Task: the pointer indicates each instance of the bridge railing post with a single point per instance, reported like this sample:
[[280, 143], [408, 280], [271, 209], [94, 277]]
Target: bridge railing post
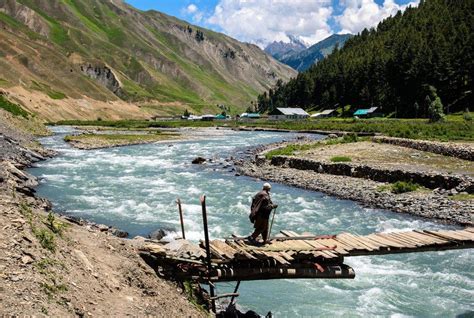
[[178, 202], [208, 252]]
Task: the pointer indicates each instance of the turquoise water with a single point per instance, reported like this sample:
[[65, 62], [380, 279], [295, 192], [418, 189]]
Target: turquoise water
[[134, 188]]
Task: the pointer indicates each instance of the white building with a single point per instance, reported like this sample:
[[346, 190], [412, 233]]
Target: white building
[[288, 113]]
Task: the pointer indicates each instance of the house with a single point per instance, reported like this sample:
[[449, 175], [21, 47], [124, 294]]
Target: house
[[288, 113], [208, 117], [371, 112], [325, 113], [250, 116]]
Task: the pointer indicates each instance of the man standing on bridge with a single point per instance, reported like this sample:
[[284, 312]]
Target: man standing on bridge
[[261, 208]]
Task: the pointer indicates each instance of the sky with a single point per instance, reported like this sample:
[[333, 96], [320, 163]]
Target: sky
[[264, 21]]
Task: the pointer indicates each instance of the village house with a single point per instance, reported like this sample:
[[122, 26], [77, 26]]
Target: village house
[[287, 113], [325, 113], [366, 113]]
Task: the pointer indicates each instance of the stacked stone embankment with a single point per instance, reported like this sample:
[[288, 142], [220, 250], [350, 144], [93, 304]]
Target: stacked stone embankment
[[429, 180], [457, 150]]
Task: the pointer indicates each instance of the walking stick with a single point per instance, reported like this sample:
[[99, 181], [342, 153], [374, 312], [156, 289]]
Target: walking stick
[[271, 225]]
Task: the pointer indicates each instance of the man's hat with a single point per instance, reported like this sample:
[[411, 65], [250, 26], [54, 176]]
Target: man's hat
[[267, 186]]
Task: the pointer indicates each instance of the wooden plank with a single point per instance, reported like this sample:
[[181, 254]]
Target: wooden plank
[[240, 251], [467, 235], [366, 245], [391, 243], [469, 229], [449, 236], [227, 251], [395, 238], [429, 239], [406, 239], [445, 240], [423, 240], [378, 241], [349, 242]]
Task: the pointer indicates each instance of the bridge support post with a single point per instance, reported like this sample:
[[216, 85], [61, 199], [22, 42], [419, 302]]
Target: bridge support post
[[208, 252], [178, 202]]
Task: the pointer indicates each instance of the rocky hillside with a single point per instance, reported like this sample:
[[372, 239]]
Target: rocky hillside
[[103, 58]]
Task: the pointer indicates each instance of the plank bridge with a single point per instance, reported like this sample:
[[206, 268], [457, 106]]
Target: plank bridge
[[291, 255]]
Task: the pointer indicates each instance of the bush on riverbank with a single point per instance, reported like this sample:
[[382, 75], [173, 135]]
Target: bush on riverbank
[[402, 187]]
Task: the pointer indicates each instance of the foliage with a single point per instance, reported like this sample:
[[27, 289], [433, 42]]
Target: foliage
[[467, 115], [341, 159], [393, 65], [15, 109], [46, 239], [403, 186], [435, 110], [186, 113]]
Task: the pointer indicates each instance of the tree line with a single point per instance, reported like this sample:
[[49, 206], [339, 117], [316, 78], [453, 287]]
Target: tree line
[[402, 66]]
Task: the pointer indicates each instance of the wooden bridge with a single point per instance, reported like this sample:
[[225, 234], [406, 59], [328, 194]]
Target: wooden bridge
[[291, 255]]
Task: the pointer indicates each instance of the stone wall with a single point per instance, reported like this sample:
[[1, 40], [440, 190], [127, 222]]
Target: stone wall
[[447, 149], [426, 179]]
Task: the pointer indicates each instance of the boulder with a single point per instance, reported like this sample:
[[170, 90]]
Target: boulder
[[198, 160]]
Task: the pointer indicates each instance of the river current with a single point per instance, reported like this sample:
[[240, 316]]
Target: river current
[[134, 188]]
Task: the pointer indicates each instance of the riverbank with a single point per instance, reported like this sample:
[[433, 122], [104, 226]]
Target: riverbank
[[53, 267], [443, 205], [115, 138]]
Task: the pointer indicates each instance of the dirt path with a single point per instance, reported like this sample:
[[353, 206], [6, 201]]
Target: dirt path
[[51, 267]]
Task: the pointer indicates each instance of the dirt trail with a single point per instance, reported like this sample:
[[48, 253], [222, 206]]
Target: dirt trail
[[51, 267]]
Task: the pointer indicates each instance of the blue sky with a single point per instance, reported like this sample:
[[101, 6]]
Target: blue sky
[[264, 21]]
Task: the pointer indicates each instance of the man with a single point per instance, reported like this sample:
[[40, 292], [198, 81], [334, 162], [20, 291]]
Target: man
[[262, 206]]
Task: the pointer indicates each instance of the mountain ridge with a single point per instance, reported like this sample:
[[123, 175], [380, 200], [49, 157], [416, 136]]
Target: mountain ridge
[[110, 51], [303, 60]]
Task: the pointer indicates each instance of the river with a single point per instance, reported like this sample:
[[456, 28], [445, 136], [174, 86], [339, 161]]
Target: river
[[134, 188]]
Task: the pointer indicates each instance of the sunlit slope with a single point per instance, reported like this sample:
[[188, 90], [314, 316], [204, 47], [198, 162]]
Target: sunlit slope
[[107, 50]]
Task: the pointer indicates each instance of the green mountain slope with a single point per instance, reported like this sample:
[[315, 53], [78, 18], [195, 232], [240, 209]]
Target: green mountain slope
[[107, 51], [400, 66]]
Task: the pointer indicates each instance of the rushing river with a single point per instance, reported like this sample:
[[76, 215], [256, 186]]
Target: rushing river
[[134, 188]]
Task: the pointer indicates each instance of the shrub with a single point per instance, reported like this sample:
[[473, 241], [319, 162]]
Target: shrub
[[403, 186], [341, 159], [467, 115], [435, 110], [15, 109], [46, 239]]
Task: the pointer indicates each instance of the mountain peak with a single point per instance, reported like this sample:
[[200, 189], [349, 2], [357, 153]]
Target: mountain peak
[[280, 49]]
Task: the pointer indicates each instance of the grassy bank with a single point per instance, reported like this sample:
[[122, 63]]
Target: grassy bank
[[94, 141], [403, 128]]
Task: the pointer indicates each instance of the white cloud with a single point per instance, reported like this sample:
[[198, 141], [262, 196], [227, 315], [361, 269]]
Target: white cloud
[[264, 21], [193, 11], [360, 14], [192, 8]]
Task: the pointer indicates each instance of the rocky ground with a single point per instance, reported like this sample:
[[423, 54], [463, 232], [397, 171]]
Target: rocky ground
[[51, 267], [433, 204]]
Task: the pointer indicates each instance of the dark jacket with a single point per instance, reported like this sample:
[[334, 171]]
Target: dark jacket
[[262, 204]]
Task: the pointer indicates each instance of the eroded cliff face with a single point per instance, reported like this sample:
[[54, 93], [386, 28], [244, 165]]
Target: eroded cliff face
[[104, 76], [25, 15]]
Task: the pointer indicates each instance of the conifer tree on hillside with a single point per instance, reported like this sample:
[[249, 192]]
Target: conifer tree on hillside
[[391, 65]]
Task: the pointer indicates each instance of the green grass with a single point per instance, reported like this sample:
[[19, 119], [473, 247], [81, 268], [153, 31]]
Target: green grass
[[462, 197], [403, 128], [47, 90], [341, 159], [15, 109], [46, 239], [403, 187], [290, 149]]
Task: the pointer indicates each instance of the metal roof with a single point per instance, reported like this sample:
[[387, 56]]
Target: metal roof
[[365, 111], [327, 111], [293, 111]]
